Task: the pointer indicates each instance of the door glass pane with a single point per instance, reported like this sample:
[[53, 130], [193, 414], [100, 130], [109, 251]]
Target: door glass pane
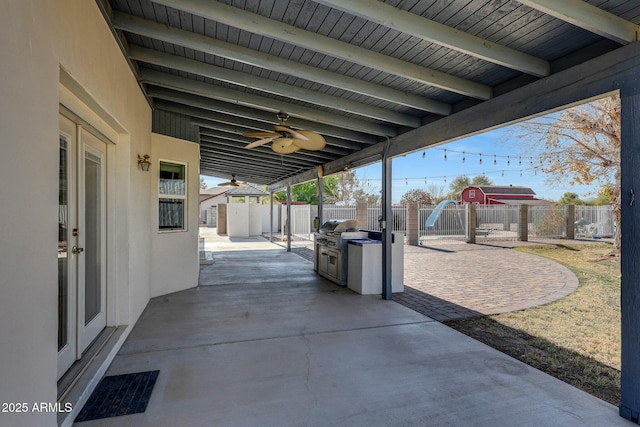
[[93, 221], [63, 276]]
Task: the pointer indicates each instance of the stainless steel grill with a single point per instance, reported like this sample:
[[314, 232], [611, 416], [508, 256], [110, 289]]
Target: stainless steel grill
[[330, 248]]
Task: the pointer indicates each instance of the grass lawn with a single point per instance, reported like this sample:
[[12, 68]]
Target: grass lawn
[[577, 338]]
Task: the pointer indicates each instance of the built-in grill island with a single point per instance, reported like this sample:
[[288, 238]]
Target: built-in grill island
[[352, 257], [330, 248]]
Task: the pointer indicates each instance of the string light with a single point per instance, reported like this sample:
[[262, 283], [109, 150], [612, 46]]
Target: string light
[[480, 158], [445, 179], [445, 154], [519, 161], [502, 173], [463, 157], [424, 154], [508, 161], [495, 162]]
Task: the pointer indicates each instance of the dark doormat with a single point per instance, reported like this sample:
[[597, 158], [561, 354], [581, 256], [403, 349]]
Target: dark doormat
[[119, 395]]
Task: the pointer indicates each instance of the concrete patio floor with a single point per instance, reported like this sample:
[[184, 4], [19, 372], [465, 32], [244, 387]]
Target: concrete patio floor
[[264, 341]]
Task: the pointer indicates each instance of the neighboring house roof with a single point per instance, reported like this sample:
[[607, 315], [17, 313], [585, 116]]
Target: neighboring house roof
[[214, 191], [245, 191], [510, 189], [210, 193], [521, 201]]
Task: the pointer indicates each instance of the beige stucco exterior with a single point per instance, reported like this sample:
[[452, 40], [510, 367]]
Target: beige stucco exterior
[[63, 52]]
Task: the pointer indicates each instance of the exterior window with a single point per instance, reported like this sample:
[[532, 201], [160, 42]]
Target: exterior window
[[172, 196], [472, 194]]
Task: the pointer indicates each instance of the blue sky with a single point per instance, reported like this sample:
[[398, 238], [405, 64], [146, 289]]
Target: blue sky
[[412, 171]]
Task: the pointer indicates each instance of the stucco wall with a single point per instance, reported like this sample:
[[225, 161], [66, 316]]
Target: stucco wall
[[175, 264], [38, 38], [238, 219]]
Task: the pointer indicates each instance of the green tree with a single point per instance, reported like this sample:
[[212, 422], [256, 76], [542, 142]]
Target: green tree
[[461, 182], [581, 145], [570, 198], [308, 191], [418, 196]]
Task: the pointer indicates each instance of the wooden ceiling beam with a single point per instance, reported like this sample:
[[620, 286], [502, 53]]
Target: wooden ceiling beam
[[588, 17], [247, 99], [258, 24], [198, 42], [434, 32], [270, 86]]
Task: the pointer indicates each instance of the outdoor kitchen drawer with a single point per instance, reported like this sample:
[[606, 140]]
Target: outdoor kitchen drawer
[[329, 261]]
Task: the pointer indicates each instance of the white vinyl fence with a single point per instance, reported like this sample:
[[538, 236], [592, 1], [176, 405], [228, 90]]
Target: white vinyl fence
[[594, 221], [399, 213], [497, 222], [546, 221], [494, 222]]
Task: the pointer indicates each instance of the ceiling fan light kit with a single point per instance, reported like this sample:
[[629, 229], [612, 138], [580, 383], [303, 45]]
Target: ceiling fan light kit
[[232, 183], [286, 140]]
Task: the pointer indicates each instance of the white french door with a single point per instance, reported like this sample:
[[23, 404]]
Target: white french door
[[81, 242]]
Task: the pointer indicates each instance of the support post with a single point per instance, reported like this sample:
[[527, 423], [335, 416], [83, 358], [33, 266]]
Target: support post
[[569, 221], [387, 228], [361, 216], [222, 218], [413, 224], [471, 210], [320, 202], [271, 216], [288, 217], [523, 224], [630, 268]]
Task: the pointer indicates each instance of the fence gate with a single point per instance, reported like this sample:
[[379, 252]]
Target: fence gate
[[449, 224]]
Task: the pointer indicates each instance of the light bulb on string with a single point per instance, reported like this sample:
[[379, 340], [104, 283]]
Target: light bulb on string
[[520, 172], [519, 161], [531, 161], [424, 154], [495, 162], [480, 158], [445, 179], [445, 154], [406, 181], [508, 161], [502, 173], [463, 157]]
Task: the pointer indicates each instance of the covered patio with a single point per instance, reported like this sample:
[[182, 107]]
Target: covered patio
[[284, 347]]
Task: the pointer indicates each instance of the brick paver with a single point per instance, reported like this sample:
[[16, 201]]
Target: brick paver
[[452, 281], [456, 280]]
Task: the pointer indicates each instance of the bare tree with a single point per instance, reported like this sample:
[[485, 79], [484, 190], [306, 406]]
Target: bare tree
[[418, 196], [351, 189], [581, 145]]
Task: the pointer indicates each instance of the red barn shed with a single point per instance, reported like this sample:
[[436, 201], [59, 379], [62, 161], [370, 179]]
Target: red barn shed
[[500, 195]]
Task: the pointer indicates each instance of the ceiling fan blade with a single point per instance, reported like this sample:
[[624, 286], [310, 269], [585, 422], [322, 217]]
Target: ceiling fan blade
[[314, 141], [284, 146], [293, 133], [259, 142], [260, 134]]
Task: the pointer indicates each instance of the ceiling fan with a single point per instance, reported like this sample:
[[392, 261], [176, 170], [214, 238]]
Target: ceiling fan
[[285, 140], [232, 183]]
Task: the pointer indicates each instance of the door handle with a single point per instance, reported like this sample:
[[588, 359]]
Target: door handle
[[76, 250]]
